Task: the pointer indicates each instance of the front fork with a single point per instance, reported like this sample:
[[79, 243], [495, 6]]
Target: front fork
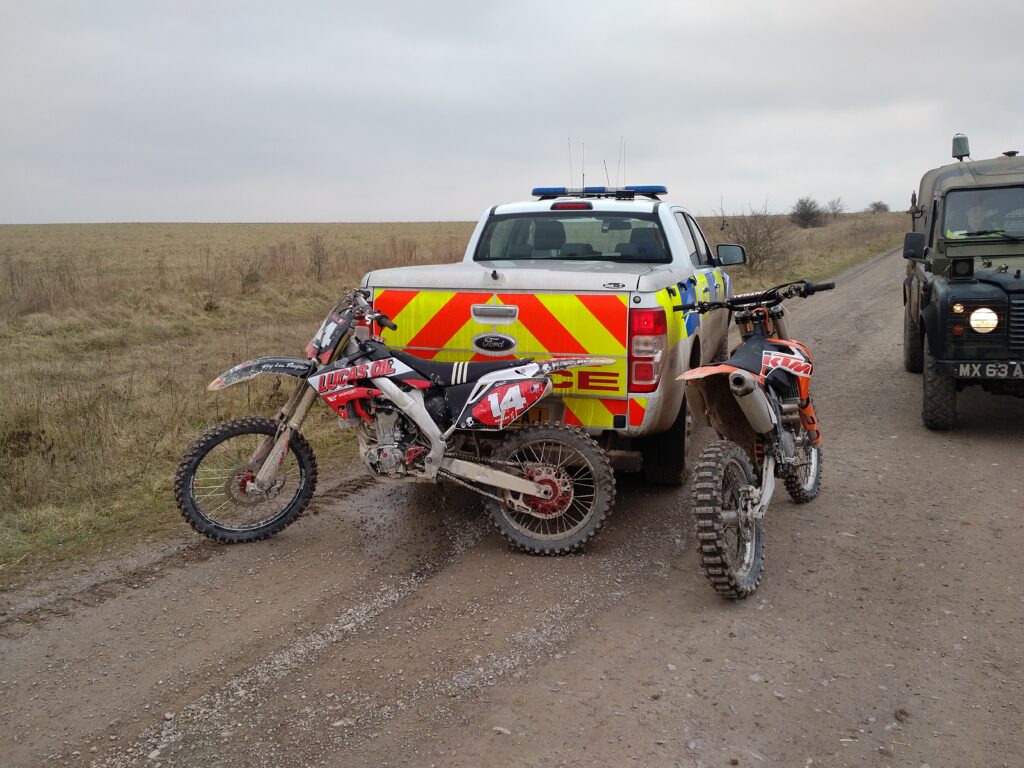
[[272, 450], [754, 499]]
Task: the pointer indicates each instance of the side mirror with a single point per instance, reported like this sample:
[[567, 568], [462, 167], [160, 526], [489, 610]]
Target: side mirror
[[914, 246], [730, 255]]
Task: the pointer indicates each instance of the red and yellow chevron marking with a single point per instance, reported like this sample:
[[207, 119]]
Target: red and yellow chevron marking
[[593, 412], [438, 325], [432, 320], [637, 409], [569, 324]]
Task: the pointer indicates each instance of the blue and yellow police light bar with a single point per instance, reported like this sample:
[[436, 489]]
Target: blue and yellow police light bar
[[647, 190]]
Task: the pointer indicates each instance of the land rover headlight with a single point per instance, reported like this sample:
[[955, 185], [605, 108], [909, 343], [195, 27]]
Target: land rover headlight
[[984, 320]]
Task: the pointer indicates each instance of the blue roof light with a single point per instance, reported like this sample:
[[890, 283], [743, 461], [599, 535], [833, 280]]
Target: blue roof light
[[648, 190], [548, 191]]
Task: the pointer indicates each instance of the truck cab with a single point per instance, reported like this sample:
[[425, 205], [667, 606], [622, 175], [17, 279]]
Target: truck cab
[[595, 271], [963, 323]]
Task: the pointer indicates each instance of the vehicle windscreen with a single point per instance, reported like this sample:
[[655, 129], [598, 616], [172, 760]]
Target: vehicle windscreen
[[985, 213], [579, 236]]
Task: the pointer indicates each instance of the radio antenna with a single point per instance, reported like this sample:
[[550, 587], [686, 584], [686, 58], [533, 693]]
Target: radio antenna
[[569, 142], [583, 165], [618, 167]]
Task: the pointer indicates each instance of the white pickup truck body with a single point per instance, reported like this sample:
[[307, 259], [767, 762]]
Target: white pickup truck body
[[572, 274]]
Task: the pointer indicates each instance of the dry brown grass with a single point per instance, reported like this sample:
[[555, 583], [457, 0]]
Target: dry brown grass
[[111, 332], [812, 253]]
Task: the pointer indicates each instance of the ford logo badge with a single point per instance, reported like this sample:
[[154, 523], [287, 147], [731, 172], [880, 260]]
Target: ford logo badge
[[495, 344]]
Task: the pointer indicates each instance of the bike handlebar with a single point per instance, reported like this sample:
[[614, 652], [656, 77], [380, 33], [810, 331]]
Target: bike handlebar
[[769, 297], [357, 299]]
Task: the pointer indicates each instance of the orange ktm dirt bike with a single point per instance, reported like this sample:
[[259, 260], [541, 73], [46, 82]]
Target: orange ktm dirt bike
[[548, 487], [759, 403]]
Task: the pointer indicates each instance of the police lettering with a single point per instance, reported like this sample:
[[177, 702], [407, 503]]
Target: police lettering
[[591, 381], [599, 381]]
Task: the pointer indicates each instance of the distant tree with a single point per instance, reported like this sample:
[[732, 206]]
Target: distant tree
[[835, 206], [807, 212], [763, 235], [878, 207]]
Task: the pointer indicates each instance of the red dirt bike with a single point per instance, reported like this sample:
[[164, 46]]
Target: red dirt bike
[[759, 402], [548, 487]]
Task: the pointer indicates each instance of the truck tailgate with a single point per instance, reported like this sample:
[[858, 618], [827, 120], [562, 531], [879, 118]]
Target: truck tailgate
[[449, 325]]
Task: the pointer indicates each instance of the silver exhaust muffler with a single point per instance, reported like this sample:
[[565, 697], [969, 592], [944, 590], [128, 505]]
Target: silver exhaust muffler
[[752, 401]]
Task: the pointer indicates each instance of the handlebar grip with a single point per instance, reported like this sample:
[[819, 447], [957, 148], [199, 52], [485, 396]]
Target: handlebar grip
[[684, 307], [385, 321], [815, 287]]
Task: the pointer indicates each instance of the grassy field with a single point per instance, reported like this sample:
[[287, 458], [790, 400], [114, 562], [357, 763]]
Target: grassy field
[[110, 333]]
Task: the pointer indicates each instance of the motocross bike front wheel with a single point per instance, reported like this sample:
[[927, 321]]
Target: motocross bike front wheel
[[568, 461], [213, 483], [731, 547], [803, 477]]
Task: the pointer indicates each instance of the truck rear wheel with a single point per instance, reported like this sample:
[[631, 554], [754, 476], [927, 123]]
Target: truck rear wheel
[[665, 455], [939, 407]]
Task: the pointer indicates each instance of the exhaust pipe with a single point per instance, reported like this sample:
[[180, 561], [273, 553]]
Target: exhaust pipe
[[752, 401]]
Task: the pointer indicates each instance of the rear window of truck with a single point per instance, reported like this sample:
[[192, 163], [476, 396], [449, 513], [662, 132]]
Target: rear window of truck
[[577, 236]]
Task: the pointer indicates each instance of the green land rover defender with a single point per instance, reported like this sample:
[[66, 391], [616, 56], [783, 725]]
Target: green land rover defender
[[963, 323]]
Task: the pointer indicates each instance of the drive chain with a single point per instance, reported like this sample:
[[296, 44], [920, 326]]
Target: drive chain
[[477, 460]]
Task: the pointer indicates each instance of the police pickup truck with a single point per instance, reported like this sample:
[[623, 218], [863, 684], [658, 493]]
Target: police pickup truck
[[963, 294], [594, 271]]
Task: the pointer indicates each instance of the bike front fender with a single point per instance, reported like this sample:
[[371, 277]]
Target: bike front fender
[[712, 403], [295, 367]]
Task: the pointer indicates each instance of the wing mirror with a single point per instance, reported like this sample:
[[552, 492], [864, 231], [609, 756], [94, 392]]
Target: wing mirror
[[730, 255], [914, 246]]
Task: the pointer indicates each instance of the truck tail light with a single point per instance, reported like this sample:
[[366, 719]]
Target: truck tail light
[[648, 335]]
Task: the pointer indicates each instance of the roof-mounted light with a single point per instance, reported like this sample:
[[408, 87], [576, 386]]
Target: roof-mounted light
[[647, 189], [628, 192]]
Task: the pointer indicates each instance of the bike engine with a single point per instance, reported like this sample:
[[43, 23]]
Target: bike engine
[[394, 450]]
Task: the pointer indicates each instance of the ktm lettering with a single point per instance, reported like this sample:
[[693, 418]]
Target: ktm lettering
[[797, 365], [340, 377]]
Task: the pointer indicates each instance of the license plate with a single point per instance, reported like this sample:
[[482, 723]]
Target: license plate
[[990, 370]]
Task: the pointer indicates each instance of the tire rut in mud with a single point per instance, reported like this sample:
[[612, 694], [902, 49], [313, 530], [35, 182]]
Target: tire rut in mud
[[470, 620]]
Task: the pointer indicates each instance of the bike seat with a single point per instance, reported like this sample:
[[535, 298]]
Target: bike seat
[[450, 374]]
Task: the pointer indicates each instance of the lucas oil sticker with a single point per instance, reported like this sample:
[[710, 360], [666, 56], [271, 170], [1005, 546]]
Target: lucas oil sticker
[[328, 381]]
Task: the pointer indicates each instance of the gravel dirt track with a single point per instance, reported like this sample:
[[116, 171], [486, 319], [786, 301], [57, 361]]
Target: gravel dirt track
[[397, 628]]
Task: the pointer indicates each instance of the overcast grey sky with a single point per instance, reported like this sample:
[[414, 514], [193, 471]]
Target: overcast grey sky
[[354, 111]]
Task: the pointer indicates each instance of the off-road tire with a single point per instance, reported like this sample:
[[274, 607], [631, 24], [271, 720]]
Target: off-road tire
[[913, 345], [515, 526], [667, 456], [722, 353], [722, 467], [938, 410], [208, 525], [802, 490]]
